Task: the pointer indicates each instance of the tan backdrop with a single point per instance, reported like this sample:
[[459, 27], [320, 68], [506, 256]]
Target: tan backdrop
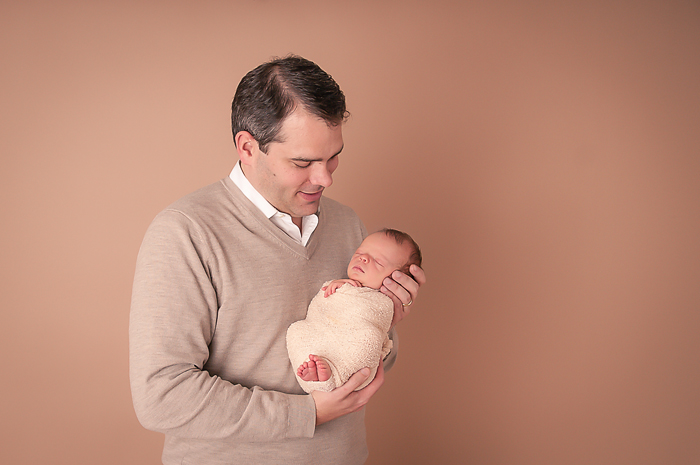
[[546, 157]]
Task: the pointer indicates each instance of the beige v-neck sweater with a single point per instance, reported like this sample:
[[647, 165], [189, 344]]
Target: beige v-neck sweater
[[216, 287]]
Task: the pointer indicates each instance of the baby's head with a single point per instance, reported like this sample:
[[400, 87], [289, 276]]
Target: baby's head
[[380, 254]]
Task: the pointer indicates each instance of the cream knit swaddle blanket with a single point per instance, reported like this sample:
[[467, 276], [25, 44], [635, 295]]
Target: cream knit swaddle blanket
[[348, 329]]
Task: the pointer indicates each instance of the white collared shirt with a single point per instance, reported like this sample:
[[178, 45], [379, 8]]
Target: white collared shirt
[[281, 220]]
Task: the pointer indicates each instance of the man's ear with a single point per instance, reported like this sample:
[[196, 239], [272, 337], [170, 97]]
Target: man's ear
[[246, 146]]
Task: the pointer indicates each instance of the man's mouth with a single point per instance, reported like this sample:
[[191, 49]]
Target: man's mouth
[[311, 197]]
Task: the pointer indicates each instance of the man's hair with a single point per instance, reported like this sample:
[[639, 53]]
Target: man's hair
[[272, 91], [415, 258]]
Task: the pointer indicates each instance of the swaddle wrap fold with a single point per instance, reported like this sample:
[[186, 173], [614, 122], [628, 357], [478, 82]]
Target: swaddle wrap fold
[[348, 329]]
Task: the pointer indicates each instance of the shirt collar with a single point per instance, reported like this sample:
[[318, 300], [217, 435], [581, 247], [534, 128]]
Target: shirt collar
[[280, 219], [249, 191]]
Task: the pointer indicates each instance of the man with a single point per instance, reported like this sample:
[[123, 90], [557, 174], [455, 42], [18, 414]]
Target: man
[[224, 271]]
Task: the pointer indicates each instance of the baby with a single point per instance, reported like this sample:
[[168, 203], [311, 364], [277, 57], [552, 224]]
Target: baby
[[347, 322]]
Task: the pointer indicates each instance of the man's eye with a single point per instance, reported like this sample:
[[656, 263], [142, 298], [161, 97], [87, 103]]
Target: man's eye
[[302, 165]]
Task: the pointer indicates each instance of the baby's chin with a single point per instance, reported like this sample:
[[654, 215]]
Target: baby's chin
[[356, 277], [369, 284]]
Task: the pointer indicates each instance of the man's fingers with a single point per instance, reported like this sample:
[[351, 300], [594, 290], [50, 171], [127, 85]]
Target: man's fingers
[[344, 399], [418, 274], [406, 282], [361, 397], [355, 380], [394, 287], [403, 286]]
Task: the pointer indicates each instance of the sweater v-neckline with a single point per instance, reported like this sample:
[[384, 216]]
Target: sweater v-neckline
[[304, 251]]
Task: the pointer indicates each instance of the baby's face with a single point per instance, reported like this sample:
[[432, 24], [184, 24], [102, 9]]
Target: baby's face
[[376, 258]]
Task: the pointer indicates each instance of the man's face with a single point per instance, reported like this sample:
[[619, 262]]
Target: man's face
[[294, 172], [376, 258]]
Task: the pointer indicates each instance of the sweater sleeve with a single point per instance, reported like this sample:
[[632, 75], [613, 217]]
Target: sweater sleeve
[[173, 319]]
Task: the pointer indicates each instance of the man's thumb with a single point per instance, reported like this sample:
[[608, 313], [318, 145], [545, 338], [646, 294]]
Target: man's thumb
[[357, 379]]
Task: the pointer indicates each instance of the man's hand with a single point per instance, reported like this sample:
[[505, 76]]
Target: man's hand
[[403, 291], [344, 399]]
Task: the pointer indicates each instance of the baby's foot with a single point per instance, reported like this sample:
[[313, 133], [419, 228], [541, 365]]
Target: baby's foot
[[307, 371], [322, 369]]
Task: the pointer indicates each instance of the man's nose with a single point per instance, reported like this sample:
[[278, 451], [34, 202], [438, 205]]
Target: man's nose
[[321, 175]]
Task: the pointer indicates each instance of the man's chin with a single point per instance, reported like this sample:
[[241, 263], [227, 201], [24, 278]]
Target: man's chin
[[307, 208]]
